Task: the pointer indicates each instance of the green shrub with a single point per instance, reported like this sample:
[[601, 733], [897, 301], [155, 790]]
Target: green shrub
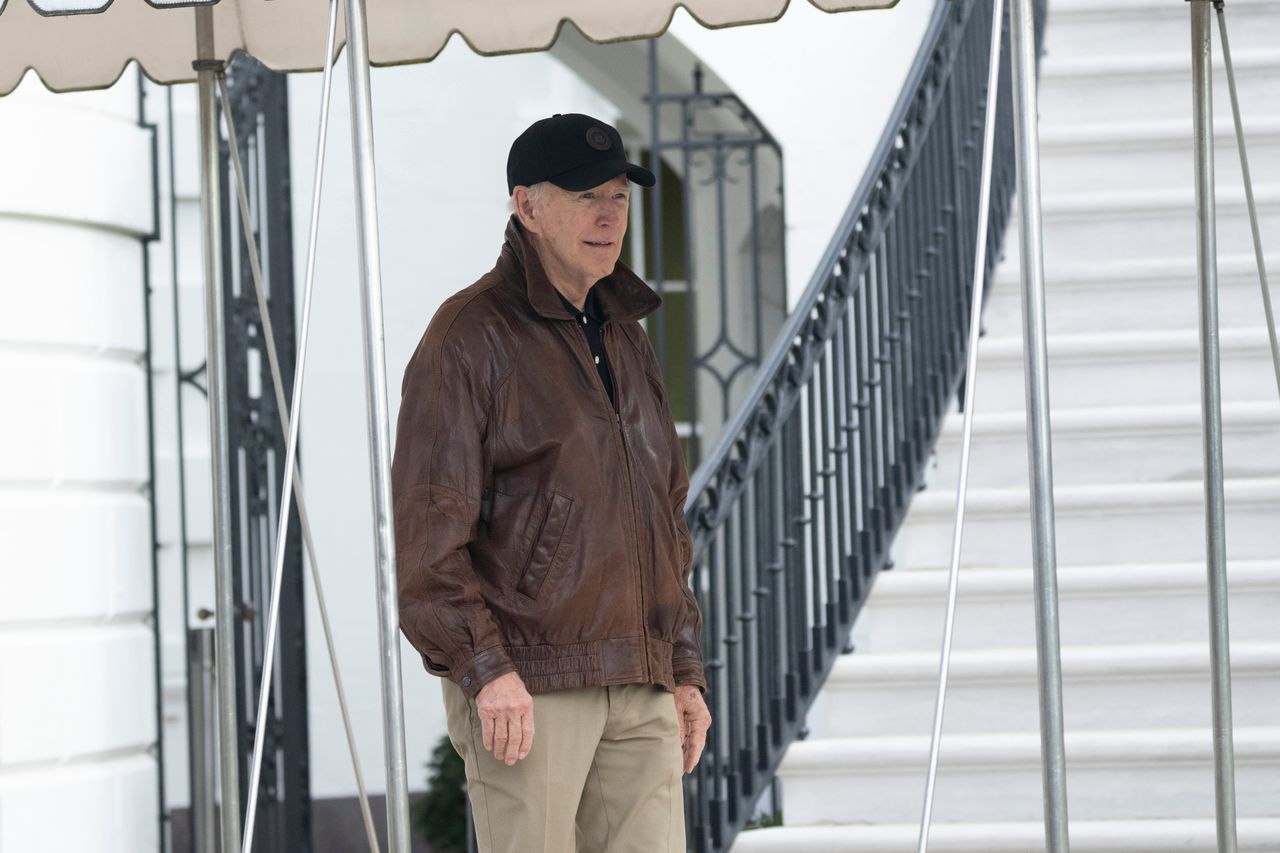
[[441, 813]]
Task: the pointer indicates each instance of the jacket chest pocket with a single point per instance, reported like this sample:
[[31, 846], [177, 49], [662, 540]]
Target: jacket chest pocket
[[546, 545]]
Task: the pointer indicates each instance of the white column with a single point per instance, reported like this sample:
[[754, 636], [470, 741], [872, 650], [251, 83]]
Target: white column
[[77, 684]]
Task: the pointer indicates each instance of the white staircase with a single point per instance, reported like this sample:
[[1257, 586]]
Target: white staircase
[[1120, 260]]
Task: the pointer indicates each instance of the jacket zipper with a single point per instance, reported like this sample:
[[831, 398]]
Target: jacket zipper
[[606, 332]]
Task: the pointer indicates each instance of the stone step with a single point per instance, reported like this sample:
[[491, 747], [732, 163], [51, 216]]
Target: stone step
[[1080, 28], [1099, 605], [1185, 835], [1123, 774], [1154, 154], [1141, 522], [1127, 296], [1119, 225], [1125, 369], [1152, 83], [1115, 444], [995, 690], [1134, 225]]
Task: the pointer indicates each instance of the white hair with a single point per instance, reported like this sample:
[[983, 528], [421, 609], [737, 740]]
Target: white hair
[[536, 193]]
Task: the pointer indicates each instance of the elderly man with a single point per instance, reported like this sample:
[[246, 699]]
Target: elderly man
[[543, 553]]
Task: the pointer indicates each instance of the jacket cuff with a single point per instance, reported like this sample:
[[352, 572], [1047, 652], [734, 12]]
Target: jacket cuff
[[688, 671], [483, 668]]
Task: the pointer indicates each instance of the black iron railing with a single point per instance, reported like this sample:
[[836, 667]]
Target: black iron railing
[[259, 106], [794, 510]]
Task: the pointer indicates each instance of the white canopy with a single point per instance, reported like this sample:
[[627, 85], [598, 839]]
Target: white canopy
[[85, 44]]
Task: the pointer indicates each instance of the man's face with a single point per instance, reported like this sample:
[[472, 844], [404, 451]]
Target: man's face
[[580, 233]]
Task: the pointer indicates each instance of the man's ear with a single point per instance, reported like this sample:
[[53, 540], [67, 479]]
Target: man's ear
[[525, 209]]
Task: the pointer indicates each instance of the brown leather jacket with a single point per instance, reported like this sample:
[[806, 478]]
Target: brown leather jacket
[[537, 530]]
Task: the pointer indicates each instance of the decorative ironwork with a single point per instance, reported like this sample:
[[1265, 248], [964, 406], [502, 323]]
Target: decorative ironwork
[[713, 234], [260, 111], [794, 510]]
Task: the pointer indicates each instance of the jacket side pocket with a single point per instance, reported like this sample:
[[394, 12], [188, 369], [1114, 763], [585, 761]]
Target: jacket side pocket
[[545, 546], [434, 666]]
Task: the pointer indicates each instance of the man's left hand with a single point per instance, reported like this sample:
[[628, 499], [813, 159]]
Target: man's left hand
[[694, 719]]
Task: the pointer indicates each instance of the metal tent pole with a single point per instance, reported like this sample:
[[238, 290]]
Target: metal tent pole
[[1259, 258], [1211, 415], [970, 394], [202, 688], [225, 612], [1049, 658], [379, 427]]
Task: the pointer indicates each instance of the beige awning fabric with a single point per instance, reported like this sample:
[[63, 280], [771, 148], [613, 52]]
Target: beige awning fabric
[[86, 44]]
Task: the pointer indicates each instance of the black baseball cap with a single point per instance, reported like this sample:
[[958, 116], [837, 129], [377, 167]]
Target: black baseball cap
[[572, 151]]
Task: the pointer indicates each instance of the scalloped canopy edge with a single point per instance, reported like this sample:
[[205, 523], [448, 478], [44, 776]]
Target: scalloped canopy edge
[[80, 49]]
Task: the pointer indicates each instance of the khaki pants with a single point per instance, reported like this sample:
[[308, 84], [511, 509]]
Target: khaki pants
[[604, 774]]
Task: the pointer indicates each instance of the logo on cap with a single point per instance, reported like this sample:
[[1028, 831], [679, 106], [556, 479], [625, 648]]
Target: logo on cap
[[598, 139]]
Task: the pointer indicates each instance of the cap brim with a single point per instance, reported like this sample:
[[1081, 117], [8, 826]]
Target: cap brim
[[594, 174]]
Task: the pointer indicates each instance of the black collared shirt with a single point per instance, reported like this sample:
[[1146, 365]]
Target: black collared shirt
[[589, 320]]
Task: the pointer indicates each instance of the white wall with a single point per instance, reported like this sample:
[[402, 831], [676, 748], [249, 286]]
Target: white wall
[[77, 685]]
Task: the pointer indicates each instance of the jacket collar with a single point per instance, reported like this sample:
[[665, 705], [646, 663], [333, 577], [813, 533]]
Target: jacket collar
[[621, 295], [590, 306]]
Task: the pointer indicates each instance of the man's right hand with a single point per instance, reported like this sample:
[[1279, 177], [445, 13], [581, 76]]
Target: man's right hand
[[506, 717]]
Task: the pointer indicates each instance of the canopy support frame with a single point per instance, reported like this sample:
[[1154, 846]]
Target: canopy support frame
[[379, 427], [977, 288], [226, 612], [1211, 421], [1026, 113]]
